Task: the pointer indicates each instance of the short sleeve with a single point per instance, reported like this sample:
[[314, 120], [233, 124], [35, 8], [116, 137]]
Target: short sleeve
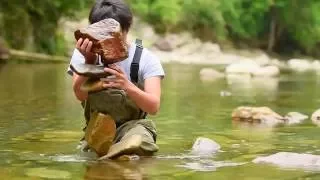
[[77, 58], [151, 66]]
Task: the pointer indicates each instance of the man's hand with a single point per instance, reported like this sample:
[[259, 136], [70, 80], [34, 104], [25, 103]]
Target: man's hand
[[148, 100], [84, 46], [117, 80]]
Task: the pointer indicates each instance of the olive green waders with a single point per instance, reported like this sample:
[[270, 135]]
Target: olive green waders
[[133, 133]]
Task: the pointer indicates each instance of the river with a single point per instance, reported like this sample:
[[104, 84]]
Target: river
[[41, 123]]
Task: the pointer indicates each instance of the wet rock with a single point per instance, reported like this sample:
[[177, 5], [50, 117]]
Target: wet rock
[[267, 71], [270, 121], [107, 38], [315, 117], [225, 93], [263, 60], [204, 147], [100, 133], [173, 41], [89, 70], [245, 67], [209, 74], [299, 65], [292, 160], [209, 47], [257, 114], [265, 115], [316, 65], [295, 118]]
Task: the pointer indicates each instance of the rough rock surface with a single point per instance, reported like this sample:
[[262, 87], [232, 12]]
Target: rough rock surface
[[315, 117], [100, 133], [209, 74], [107, 38], [292, 160], [254, 113], [204, 147], [295, 117], [265, 115]]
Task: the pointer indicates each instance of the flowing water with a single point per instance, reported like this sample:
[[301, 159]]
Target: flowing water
[[41, 123]]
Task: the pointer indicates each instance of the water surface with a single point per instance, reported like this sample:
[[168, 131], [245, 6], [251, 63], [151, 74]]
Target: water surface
[[41, 122]]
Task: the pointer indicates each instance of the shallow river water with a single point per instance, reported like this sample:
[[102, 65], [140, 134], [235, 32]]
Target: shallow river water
[[41, 123]]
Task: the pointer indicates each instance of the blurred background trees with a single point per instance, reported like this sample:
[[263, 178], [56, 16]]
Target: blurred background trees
[[282, 26], [33, 24]]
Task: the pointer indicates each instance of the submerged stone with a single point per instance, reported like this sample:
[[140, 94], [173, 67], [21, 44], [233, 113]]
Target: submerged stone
[[295, 118], [108, 40], [255, 114], [292, 160], [315, 117], [204, 147]]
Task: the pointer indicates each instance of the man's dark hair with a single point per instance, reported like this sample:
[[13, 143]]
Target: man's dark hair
[[115, 9]]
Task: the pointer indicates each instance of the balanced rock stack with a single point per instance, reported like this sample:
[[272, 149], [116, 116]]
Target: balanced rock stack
[[107, 38], [109, 43]]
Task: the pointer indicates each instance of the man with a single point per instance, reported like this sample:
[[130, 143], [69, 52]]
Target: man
[[143, 88]]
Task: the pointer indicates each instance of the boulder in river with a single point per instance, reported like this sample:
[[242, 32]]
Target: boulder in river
[[299, 65], [292, 161], [247, 113], [209, 74], [295, 117], [315, 117], [204, 147], [267, 71], [265, 115]]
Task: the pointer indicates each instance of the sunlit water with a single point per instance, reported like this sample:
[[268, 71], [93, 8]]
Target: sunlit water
[[41, 122]]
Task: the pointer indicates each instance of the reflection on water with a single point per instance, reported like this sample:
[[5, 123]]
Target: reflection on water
[[108, 170], [41, 123]]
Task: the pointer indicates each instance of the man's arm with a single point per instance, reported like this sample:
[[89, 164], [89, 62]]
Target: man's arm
[[147, 100], [77, 81], [84, 47]]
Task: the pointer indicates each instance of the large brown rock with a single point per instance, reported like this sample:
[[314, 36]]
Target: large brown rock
[[267, 116], [108, 40], [254, 113], [100, 133]]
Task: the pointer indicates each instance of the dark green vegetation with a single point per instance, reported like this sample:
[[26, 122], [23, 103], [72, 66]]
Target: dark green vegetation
[[283, 26], [33, 24], [274, 25]]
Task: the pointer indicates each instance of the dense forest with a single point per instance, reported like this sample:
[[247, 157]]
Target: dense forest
[[282, 26]]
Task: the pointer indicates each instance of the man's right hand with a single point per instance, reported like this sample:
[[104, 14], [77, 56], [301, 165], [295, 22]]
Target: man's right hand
[[84, 46]]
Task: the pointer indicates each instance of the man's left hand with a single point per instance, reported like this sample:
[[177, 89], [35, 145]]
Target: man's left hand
[[117, 80]]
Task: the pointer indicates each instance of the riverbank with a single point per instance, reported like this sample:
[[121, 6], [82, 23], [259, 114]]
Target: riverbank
[[183, 48]]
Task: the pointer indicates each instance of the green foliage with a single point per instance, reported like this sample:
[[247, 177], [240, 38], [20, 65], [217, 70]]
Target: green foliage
[[34, 23], [164, 15], [295, 21], [301, 19]]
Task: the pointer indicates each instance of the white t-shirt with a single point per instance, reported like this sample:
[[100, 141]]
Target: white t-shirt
[[149, 65]]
